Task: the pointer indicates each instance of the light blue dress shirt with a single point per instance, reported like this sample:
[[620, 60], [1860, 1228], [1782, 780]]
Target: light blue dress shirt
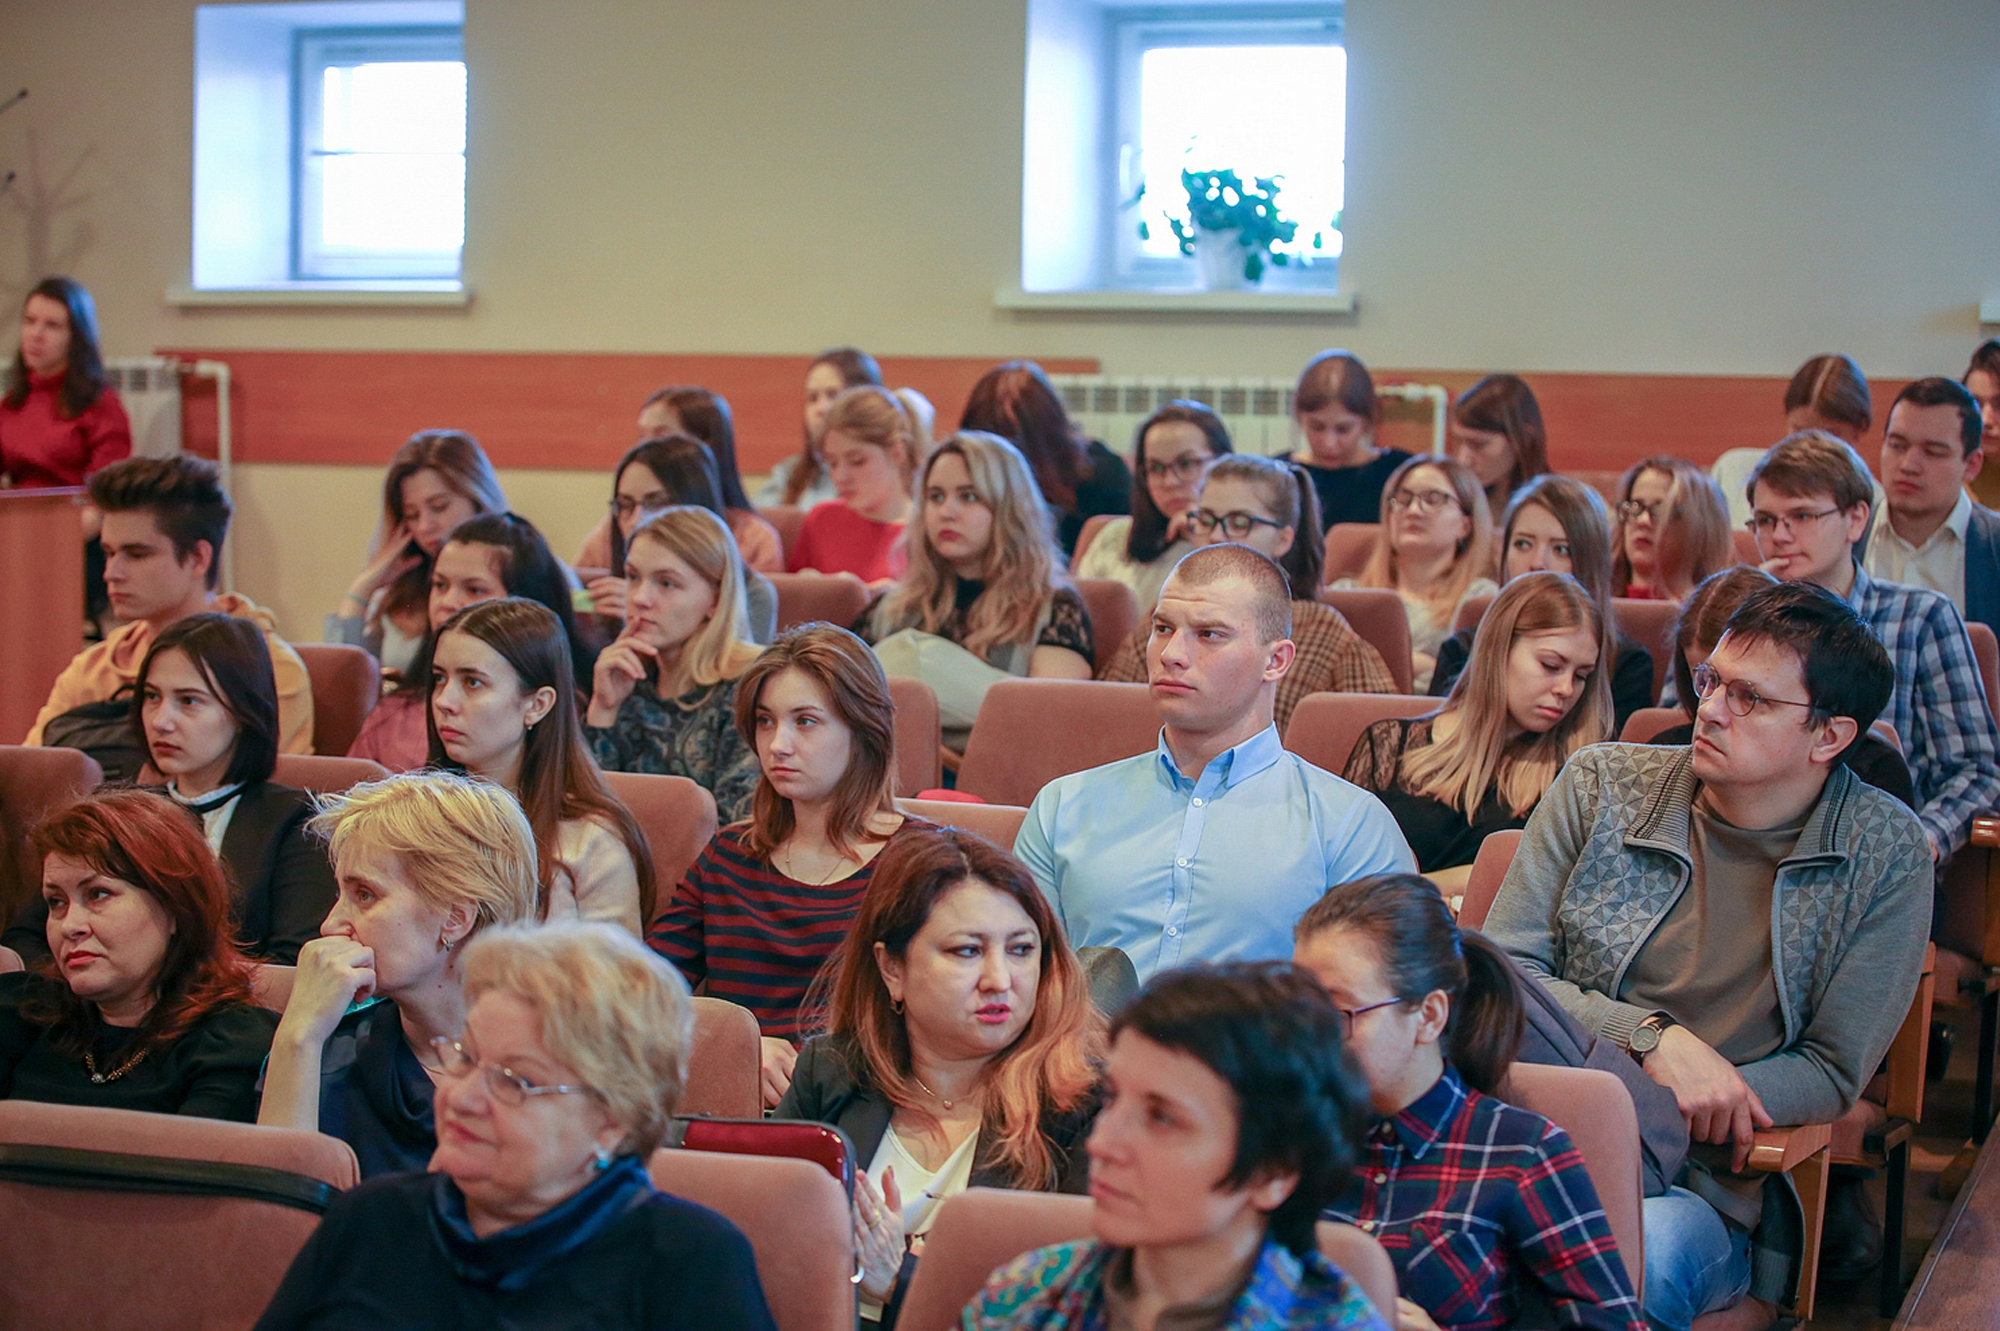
[[1136, 856]]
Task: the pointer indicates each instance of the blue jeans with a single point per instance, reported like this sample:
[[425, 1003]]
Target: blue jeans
[[1695, 1262]]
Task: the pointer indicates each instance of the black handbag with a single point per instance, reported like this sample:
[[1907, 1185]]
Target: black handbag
[[104, 730]]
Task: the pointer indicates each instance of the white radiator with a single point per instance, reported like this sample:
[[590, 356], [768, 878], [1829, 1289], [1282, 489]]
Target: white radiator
[[150, 387], [1257, 412]]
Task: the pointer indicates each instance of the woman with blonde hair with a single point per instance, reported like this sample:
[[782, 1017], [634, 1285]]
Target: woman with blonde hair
[[961, 1047], [537, 1209], [438, 479], [424, 861], [1435, 551], [1531, 696], [871, 451], [769, 899], [984, 596], [1673, 530], [664, 697]]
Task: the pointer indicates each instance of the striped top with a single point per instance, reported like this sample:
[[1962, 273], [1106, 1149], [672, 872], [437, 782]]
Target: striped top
[[757, 937]]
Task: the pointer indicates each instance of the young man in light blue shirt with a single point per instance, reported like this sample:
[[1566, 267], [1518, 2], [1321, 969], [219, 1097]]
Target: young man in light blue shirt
[[1212, 845]]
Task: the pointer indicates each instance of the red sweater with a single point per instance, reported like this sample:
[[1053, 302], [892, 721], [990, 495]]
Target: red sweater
[[40, 448], [836, 539]]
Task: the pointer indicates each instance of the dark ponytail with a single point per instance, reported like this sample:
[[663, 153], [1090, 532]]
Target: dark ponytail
[[1423, 951], [1305, 562]]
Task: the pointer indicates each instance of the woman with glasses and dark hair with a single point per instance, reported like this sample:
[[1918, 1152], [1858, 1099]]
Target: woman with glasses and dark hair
[[59, 421], [1170, 451], [1269, 505], [1486, 1209], [537, 1210]]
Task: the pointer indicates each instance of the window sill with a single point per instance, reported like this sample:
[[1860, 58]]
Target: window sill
[[432, 295], [1309, 304]]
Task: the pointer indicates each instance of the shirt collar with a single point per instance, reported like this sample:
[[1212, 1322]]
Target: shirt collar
[[1229, 768], [1956, 523], [1424, 1120]]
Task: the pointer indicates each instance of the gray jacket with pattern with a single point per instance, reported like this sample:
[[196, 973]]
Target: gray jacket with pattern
[[1606, 855]]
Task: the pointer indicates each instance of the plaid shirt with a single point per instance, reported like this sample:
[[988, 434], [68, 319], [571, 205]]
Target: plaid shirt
[[1332, 658], [1938, 707], [1473, 1197]]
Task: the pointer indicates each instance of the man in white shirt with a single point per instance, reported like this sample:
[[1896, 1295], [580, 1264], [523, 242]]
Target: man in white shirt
[[1929, 532]]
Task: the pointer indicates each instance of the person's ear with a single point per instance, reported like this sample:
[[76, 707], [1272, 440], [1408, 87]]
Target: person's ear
[[891, 969], [458, 922], [1287, 538], [1268, 1192], [1832, 738], [199, 560], [538, 705], [1974, 463], [1857, 520], [1433, 1013], [1283, 652]]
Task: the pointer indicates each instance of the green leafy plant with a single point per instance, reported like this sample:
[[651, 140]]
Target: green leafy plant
[[1220, 202]]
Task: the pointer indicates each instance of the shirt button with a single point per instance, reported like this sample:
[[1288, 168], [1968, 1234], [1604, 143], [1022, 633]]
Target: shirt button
[[1197, 804], [1182, 863], [1173, 932], [1381, 1178], [1367, 1226]]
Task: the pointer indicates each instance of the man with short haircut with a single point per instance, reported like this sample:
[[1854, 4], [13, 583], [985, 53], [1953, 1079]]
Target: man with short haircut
[[1929, 532], [1810, 498], [1745, 916], [164, 523], [1210, 847]]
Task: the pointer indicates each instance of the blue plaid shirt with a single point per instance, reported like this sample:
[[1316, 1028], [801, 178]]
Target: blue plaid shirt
[[1938, 707]]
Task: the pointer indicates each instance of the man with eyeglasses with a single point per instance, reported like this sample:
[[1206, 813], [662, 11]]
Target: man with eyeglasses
[[1810, 498], [1745, 916]]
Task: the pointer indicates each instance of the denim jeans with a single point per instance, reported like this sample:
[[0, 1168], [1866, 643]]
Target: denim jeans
[[1695, 1261]]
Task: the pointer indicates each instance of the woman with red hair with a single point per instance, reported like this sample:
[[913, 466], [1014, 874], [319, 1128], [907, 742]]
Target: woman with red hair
[[144, 1002]]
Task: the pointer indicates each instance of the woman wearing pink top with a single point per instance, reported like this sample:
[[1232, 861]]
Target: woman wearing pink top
[[872, 450]]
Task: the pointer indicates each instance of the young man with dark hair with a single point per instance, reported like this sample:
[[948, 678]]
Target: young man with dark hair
[[1745, 916], [1929, 532], [1982, 380], [164, 523], [1810, 503], [1209, 847]]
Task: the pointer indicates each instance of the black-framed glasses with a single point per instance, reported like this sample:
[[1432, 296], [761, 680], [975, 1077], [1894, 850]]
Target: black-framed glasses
[[1634, 509], [503, 1084], [625, 505], [1181, 468], [1763, 524], [1430, 501], [1741, 698], [1354, 1014], [1235, 524]]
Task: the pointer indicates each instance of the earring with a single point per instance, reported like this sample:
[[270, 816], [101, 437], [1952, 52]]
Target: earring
[[896, 1006], [444, 943], [602, 1157]]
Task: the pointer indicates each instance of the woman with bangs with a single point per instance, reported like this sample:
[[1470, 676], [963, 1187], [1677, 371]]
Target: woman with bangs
[[1171, 450], [145, 1002], [984, 597], [871, 449], [961, 1047], [1337, 413], [1531, 697], [770, 899], [1673, 530], [1434, 551], [664, 699]]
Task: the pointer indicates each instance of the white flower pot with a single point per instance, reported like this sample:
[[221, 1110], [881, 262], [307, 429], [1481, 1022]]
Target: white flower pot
[[1218, 257]]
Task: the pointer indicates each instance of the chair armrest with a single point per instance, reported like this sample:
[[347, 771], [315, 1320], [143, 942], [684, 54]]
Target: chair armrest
[[10, 960], [1781, 1150], [1986, 831]]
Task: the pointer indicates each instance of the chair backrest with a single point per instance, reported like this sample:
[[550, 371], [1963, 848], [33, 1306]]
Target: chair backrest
[[325, 774], [346, 685], [919, 765], [1348, 546], [1378, 616], [1651, 625], [787, 1138], [185, 1260], [980, 1230], [677, 816], [1746, 547], [1031, 731], [1470, 611], [1644, 724], [34, 781], [271, 984], [1986, 655], [1325, 726], [725, 1062], [837, 598], [1604, 482], [1091, 526], [796, 1218], [1489, 870], [1113, 613], [998, 823], [789, 520], [1595, 1109]]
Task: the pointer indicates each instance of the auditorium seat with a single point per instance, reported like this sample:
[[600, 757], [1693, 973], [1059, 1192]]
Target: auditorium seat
[[1644, 724], [677, 817], [1595, 1109], [1031, 731], [325, 774], [1986, 655], [1378, 616], [1470, 611], [34, 781], [1091, 526], [797, 1219], [1326, 726], [803, 598], [1745, 545], [346, 685], [1114, 612], [1489, 870], [1651, 625], [1606, 483], [822, 1144], [725, 1062], [101, 1226], [790, 520], [1348, 547], [998, 823], [982, 1229], [919, 763]]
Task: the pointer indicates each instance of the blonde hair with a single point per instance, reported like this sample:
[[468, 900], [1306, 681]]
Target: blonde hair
[[876, 416], [1459, 768], [923, 420], [461, 840], [720, 649], [1021, 572], [611, 1010], [1472, 555], [1694, 539]]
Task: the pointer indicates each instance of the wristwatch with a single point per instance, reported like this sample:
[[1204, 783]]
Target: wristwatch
[[1646, 1035]]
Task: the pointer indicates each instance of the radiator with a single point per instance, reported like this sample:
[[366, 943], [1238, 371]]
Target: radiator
[[150, 387], [1257, 412]]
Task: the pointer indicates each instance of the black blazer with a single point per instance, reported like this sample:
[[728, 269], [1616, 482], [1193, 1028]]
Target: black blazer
[[830, 1085], [281, 879]]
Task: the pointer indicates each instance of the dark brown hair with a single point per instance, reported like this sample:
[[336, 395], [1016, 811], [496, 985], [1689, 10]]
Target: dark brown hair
[[855, 367], [684, 466], [458, 458], [707, 417], [233, 657], [1017, 402], [1985, 357], [184, 494], [1834, 387], [83, 371], [1337, 377], [1146, 539], [1504, 404]]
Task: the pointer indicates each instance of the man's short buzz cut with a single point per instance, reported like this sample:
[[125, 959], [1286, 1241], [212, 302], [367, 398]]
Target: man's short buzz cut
[[1271, 591]]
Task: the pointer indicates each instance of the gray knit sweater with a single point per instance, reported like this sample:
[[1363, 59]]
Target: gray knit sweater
[[1607, 854]]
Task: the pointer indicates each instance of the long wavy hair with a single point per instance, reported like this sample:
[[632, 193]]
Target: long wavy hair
[[855, 367], [1470, 557], [1146, 539], [83, 371], [1022, 566], [707, 417], [721, 648], [458, 458], [1052, 1065], [1017, 402], [145, 839], [1694, 539], [1474, 755]]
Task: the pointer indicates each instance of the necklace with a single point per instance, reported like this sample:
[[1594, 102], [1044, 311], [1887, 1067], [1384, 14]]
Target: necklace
[[948, 1104], [99, 1078], [789, 869]]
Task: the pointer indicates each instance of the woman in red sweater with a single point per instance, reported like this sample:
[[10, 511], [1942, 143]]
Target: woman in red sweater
[[59, 422]]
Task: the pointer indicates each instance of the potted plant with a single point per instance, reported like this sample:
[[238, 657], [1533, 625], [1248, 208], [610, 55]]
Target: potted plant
[[1230, 228]]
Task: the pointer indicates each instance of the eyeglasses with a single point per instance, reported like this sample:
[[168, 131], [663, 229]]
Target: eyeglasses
[[1763, 524], [1235, 524], [1634, 509], [1181, 468], [1430, 501], [625, 505], [1741, 698], [1355, 1014], [503, 1084]]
